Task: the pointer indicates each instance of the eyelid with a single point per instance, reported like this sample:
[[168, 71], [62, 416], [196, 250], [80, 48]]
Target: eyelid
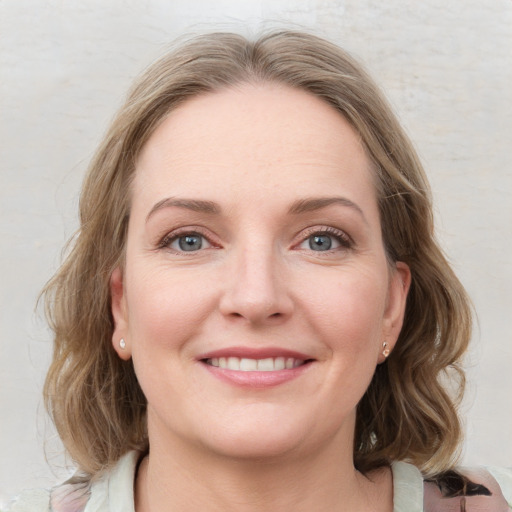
[[345, 240], [165, 241]]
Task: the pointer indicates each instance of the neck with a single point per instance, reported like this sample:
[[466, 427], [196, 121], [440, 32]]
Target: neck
[[178, 477]]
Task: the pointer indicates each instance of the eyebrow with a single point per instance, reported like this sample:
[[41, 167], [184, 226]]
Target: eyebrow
[[297, 207], [195, 205], [317, 203]]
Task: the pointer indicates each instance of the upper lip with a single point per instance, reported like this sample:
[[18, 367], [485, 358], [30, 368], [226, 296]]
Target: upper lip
[[254, 353]]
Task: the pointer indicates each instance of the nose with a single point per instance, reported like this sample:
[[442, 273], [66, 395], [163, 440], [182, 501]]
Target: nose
[[257, 288]]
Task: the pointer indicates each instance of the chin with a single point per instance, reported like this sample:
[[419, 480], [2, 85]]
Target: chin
[[264, 437], [255, 446]]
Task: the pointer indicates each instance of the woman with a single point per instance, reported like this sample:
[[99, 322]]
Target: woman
[[255, 314]]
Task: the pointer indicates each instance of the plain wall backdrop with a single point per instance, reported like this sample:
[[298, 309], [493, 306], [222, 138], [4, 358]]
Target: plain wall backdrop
[[64, 69]]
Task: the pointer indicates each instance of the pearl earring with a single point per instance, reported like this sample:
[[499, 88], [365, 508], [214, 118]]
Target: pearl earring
[[122, 343], [385, 349]]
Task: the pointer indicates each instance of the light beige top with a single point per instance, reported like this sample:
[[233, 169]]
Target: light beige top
[[114, 492]]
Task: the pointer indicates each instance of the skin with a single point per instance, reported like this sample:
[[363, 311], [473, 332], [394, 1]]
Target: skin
[[255, 151]]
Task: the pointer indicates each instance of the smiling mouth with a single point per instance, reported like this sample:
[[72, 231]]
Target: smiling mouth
[[243, 364]]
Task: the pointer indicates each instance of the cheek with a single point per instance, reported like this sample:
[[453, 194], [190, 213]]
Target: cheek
[[350, 308], [165, 312], [165, 308], [348, 316]]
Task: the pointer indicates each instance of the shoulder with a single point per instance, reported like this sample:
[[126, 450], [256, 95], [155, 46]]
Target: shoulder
[[33, 500], [68, 497], [466, 489], [469, 489], [113, 490], [503, 477]]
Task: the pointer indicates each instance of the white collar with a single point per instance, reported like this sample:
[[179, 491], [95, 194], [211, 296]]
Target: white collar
[[114, 491], [407, 488]]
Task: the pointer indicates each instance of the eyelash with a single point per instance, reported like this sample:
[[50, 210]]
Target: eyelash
[[341, 237], [169, 238]]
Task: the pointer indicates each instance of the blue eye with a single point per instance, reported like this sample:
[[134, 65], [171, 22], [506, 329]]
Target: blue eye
[[189, 242], [327, 239], [321, 242]]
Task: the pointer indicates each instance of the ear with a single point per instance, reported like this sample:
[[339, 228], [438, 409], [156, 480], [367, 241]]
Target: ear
[[399, 284], [119, 314]]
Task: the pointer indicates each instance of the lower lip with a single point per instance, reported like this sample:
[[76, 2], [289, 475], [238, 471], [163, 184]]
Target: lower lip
[[255, 379]]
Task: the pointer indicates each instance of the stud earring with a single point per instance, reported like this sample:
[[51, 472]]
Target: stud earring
[[385, 349], [122, 343]]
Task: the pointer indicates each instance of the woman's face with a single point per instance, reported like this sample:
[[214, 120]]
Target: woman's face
[[256, 294]]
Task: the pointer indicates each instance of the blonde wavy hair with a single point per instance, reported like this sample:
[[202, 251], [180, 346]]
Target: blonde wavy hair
[[407, 412]]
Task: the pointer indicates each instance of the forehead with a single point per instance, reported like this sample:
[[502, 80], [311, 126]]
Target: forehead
[[268, 137]]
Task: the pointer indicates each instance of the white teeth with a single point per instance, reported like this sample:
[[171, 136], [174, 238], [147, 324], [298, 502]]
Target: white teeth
[[248, 365], [279, 363], [232, 363], [265, 365], [244, 364]]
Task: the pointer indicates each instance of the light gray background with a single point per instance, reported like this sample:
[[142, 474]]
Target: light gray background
[[64, 66]]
